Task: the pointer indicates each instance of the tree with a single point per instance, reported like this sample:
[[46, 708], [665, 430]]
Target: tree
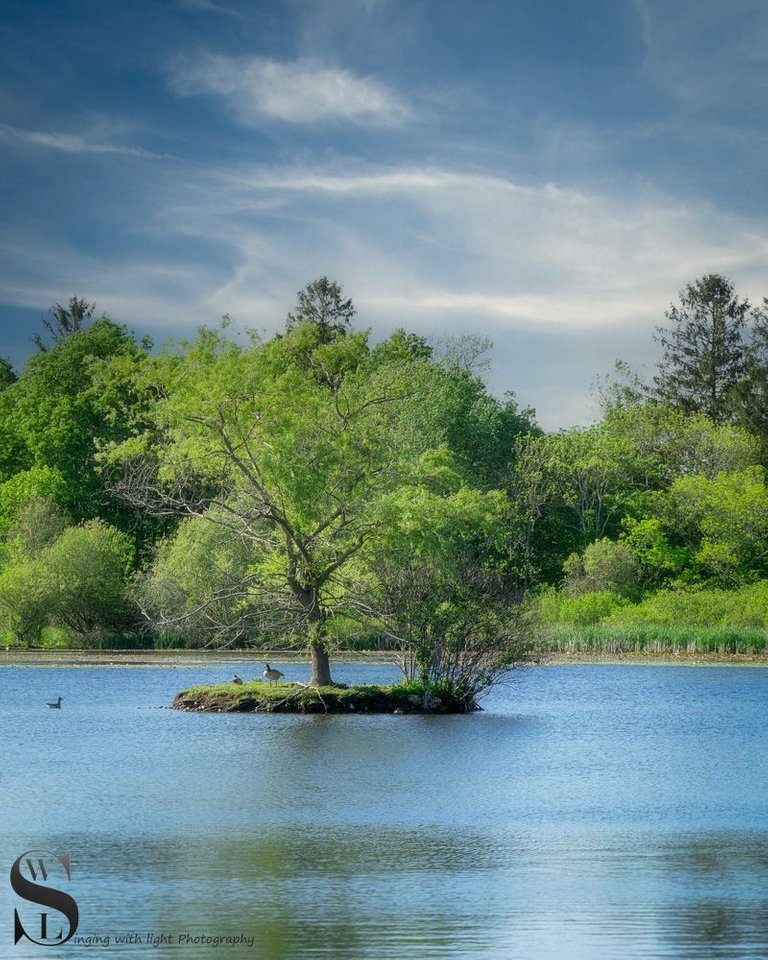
[[23, 608], [7, 375], [198, 584], [62, 321], [436, 582], [321, 303], [703, 350], [78, 581], [603, 565], [291, 464], [40, 522], [725, 522], [569, 489], [622, 389], [84, 572], [752, 393], [70, 402], [25, 488]]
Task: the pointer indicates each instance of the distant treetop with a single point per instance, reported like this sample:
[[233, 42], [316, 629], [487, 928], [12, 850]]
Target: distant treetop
[[61, 321], [321, 302]]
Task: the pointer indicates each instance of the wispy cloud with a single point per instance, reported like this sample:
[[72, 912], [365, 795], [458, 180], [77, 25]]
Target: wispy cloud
[[705, 53], [552, 272], [295, 92], [72, 143], [207, 6]]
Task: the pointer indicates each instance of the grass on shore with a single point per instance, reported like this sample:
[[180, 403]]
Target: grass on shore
[[652, 639]]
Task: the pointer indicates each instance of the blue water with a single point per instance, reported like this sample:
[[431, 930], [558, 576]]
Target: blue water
[[588, 812]]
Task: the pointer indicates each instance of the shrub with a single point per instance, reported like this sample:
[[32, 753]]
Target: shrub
[[605, 565], [555, 606]]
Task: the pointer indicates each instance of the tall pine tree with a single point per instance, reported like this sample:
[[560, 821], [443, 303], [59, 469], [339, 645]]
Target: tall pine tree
[[752, 393], [703, 356]]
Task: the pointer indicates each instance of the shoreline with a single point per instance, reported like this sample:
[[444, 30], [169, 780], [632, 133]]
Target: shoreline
[[184, 658]]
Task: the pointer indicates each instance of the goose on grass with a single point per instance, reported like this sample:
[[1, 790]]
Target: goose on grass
[[271, 674]]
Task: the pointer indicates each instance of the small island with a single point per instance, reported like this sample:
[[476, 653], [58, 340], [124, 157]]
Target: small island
[[258, 696]]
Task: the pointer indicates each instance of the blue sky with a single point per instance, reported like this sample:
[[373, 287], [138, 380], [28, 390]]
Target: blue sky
[[548, 174]]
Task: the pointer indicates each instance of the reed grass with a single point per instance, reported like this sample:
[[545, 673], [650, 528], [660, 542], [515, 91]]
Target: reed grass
[[652, 639]]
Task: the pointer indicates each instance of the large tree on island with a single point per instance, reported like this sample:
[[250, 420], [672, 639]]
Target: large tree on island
[[279, 455], [703, 351], [285, 445]]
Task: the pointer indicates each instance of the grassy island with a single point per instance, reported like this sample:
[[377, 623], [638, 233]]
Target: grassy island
[[258, 696]]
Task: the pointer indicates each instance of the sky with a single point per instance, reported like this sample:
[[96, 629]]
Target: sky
[[545, 173]]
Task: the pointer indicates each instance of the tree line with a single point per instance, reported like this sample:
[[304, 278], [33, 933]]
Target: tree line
[[317, 489]]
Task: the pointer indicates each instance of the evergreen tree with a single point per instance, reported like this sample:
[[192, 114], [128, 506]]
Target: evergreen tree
[[703, 349], [752, 393], [321, 303]]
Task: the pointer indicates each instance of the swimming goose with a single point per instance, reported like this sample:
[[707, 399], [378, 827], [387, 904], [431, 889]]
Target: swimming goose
[[271, 674], [55, 706], [236, 679]]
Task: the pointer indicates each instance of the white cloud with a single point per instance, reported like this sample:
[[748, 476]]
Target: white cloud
[[478, 245], [294, 92], [71, 143], [563, 280], [705, 53], [207, 6]]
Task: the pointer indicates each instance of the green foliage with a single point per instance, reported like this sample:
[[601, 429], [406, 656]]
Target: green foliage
[[26, 487], [196, 591], [24, 605], [78, 582], [453, 407], [657, 560], [668, 442], [260, 697], [725, 521], [683, 609], [85, 572], [7, 375], [290, 465], [315, 489], [553, 606], [702, 607], [703, 349], [605, 565], [570, 489], [321, 305], [575, 488], [70, 401], [63, 321], [623, 389], [314, 471], [751, 399]]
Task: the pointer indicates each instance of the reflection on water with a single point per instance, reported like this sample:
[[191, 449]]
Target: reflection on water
[[589, 812]]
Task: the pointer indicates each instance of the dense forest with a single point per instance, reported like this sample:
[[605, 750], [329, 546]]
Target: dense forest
[[317, 489]]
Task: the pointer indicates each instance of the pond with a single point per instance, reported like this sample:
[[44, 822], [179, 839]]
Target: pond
[[607, 811]]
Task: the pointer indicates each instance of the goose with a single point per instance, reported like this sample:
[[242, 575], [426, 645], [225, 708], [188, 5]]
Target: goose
[[271, 674], [236, 679], [56, 705]]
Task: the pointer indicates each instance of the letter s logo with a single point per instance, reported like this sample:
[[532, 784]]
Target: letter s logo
[[44, 895]]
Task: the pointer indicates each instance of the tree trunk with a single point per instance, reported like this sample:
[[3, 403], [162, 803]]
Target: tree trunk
[[321, 667]]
